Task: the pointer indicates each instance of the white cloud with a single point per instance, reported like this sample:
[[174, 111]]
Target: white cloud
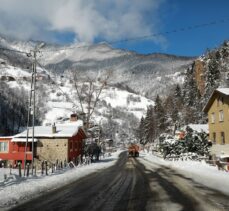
[[87, 19]]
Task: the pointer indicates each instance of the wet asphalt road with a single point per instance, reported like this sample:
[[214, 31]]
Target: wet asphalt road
[[132, 184]]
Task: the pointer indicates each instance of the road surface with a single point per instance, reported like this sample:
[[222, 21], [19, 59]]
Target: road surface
[[132, 184]]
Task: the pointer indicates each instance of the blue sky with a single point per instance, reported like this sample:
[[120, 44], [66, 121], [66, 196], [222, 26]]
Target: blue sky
[[93, 21], [176, 14]]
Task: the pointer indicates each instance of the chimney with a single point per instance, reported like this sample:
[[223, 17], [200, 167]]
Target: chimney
[[73, 118], [53, 128]]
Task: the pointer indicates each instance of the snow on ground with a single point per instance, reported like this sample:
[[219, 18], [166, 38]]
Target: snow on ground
[[81, 51], [14, 72], [15, 189], [58, 110], [135, 104], [200, 172], [177, 77]]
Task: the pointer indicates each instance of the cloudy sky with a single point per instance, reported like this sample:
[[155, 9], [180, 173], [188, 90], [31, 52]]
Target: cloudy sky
[[68, 21]]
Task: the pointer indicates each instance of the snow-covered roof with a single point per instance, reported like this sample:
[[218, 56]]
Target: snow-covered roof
[[199, 127], [15, 139], [6, 137], [223, 90], [62, 130]]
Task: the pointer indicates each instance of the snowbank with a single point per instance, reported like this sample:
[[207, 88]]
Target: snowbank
[[200, 172], [15, 189]]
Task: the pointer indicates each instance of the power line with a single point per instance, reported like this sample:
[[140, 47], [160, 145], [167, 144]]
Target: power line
[[187, 28], [177, 30]]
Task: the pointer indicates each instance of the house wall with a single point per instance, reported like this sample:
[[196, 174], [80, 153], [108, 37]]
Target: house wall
[[15, 152], [60, 148], [219, 149], [219, 126], [49, 149], [76, 145], [52, 149]]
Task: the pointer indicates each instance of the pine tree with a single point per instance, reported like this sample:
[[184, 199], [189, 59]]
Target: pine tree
[[212, 75], [140, 132], [192, 99], [149, 125], [160, 116], [178, 96]]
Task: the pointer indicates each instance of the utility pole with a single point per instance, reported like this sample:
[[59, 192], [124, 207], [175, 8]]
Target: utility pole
[[32, 104]]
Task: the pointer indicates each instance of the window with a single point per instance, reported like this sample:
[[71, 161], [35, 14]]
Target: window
[[3, 146], [213, 117], [214, 137], [222, 138], [221, 117]]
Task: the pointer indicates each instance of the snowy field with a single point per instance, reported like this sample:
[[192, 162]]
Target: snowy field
[[200, 172], [16, 189]]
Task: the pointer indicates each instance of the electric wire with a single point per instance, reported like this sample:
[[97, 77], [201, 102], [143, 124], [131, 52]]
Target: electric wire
[[186, 28]]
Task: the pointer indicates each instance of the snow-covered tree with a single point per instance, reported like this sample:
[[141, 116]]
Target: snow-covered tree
[[140, 131], [149, 125], [160, 116], [193, 146]]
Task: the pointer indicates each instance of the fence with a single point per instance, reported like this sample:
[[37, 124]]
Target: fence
[[43, 169], [221, 165]]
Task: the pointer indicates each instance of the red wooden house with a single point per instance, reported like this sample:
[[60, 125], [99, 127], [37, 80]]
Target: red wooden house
[[61, 142], [11, 152]]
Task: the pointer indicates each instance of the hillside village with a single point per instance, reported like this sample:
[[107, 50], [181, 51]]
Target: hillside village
[[114, 105], [190, 103], [188, 123]]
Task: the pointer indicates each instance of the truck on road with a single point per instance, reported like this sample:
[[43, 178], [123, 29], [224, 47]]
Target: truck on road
[[133, 150]]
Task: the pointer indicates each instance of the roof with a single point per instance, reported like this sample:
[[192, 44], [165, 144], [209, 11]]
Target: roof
[[221, 91], [199, 127], [5, 137], [15, 139], [62, 130]]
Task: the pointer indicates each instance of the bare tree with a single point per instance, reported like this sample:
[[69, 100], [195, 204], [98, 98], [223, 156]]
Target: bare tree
[[88, 92]]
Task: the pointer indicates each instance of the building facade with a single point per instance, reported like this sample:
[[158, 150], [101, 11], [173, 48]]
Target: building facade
[[13, 152], [217, 109], [64, 143]]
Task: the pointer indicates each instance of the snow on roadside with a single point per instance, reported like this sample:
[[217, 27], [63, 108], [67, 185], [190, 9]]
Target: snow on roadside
[[18, 190], [200, 172]]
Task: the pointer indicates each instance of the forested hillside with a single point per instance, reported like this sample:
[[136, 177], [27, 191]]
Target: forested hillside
[[184, 103], [13, 109]]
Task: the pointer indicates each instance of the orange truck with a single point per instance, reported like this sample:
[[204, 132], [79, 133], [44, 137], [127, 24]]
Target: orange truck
[[133, 150]]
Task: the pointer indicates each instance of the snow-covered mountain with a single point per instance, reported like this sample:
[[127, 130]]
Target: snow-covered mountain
[[134, 79], [144, 74]]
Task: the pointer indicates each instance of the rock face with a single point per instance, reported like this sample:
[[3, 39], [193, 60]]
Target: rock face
[[199, 71]]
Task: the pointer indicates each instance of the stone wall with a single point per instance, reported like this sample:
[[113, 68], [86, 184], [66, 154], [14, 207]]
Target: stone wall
[[52, 149]]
